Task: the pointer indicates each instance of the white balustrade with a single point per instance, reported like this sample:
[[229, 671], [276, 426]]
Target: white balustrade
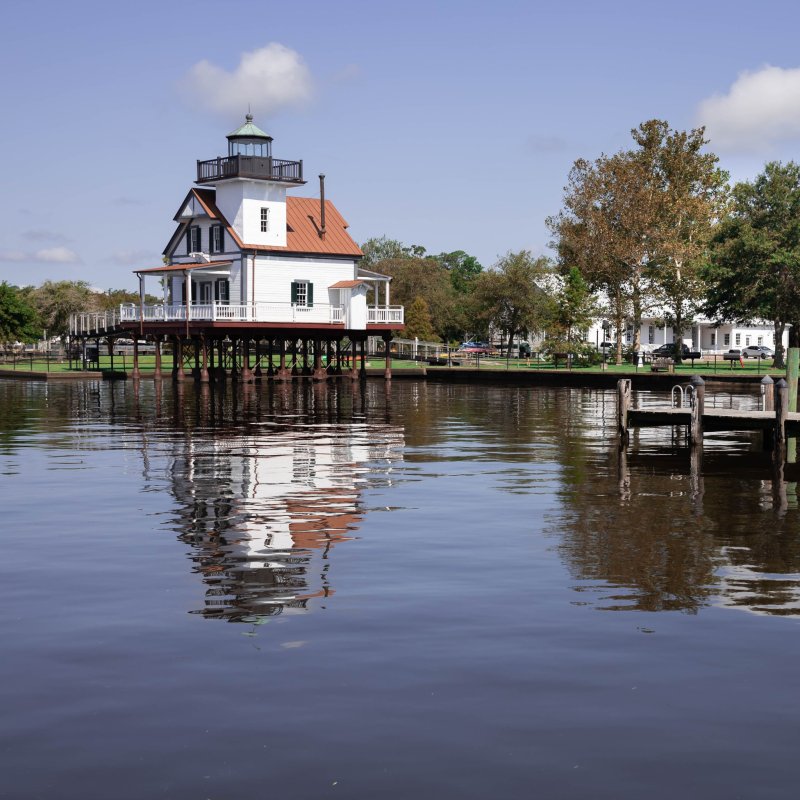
[[320, 313]]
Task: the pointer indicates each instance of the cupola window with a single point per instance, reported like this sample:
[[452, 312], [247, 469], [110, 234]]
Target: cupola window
[[264, 219]]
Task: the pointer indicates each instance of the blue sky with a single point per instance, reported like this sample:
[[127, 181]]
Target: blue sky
[[451, 125]]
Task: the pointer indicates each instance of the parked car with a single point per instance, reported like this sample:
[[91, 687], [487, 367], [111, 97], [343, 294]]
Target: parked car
[[667, 350], [479, 348], [758, 351]]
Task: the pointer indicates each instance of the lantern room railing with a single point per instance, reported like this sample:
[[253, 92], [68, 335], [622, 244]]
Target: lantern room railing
[[241, 166]]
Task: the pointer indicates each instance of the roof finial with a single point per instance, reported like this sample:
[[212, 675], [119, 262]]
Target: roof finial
[[249, 115]]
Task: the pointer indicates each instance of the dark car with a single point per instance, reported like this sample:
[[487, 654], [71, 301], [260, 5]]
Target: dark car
[[666, 350]]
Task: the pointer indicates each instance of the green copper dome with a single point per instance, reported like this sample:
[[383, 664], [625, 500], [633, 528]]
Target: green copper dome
[[249, 131]]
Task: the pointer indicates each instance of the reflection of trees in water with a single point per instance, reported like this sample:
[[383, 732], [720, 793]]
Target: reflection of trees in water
[[680, 533], [268, 482]]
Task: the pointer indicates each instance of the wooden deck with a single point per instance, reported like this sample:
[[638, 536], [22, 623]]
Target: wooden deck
[[714, 419]]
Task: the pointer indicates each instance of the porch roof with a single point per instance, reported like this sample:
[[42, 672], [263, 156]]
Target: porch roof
[[346, 284], [182, 267]]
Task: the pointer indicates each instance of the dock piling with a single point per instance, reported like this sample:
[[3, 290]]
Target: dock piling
[[698, 407], [623, 406]]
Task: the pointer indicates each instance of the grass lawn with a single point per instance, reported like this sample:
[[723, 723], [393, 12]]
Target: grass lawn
[[752, 367]]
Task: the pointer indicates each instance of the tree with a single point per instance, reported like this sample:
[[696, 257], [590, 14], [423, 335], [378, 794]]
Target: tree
[[638, 223], [573, 311], [382, 248], [17, 316], [55, 301], [463, 269], [509, 296], [754, 271], [418, 321], [689, 194], [606, 230]]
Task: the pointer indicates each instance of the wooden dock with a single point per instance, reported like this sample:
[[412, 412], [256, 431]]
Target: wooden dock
[[775, 420]]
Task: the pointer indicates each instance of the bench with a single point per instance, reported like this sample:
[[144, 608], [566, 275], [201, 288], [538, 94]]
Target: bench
[[662, 365]]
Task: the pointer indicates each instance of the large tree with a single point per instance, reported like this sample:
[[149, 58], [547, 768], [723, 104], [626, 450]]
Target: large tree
[[755, 262], [606, 230], [56, 300], [510, 297], [637, 224], [687, 193], [18, 319]]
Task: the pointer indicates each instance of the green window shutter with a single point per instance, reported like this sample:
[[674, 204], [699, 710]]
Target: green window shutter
[[188, 241], [294, 292], [221, 239], [310, 293], [216, 291]]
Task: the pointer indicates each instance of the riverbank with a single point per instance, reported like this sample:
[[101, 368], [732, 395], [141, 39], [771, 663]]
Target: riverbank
[[578, 379]]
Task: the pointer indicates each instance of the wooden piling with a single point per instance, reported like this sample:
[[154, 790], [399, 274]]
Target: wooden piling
[[623, 406], [697, 409], [768, 393], [781, 413]]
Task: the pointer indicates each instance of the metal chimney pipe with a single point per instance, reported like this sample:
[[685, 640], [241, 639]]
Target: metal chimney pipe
[[322, 206]]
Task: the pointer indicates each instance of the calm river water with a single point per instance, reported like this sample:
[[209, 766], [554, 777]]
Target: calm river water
[[435, 591]]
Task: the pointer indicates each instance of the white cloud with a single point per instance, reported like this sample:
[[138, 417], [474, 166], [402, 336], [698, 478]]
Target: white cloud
[[59, 255], [761, 109], [269, 79], [48, 255]]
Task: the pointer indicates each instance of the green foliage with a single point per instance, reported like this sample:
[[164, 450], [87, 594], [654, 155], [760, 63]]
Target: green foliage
[[381, 248], [442, 281], [755, 262], [463, 269], [56, 300], [18, 320], [418, 321], [572, 314], [510, 296]]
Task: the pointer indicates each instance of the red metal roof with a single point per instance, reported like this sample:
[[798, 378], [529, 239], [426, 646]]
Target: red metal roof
[[303, 227], [345, 284]]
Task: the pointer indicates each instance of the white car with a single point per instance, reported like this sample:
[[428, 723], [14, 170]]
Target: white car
[[758, 351]]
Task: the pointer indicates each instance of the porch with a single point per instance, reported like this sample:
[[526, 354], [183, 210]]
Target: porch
[[291, 313]]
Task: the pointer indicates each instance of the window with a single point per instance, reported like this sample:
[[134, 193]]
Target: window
[[222, 291], [216, 238], [747, 340], [651, 334], [302, 293], [738, 339], [193, 240], [727, 340], [205, 292], [761, 340], [264, 219], [713, 339]]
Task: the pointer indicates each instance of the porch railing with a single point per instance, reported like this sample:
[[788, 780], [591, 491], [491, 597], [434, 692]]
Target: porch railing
[[90, 322], [102, 322], [247, 312], [386, 315]]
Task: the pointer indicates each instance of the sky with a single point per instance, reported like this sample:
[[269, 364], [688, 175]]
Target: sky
[[451, 125]]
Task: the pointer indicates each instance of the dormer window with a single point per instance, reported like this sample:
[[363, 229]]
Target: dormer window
[[264, 219], [193, 242]]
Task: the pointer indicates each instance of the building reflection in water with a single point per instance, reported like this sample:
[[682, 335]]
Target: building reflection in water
[[267, 485]]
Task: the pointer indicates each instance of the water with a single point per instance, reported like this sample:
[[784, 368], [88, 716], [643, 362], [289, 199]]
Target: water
[[447, 592]]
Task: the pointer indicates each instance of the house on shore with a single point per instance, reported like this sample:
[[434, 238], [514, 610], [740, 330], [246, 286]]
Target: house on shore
[[703, 335], [251, 269]]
